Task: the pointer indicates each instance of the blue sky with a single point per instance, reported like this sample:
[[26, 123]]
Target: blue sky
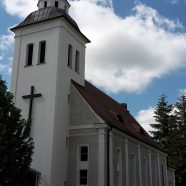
[[137, 53]]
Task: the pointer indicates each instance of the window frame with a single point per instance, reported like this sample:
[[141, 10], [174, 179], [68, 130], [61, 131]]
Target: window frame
[[56, 4], [70, 52], [83, 154], [29, 63], [39, 53], [82, 165], [45, 4], [83, 177]]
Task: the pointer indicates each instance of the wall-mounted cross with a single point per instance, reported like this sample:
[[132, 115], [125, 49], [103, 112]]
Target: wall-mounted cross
[[31, 97]]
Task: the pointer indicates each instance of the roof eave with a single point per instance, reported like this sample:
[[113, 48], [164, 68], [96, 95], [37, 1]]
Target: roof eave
[[18, 27]]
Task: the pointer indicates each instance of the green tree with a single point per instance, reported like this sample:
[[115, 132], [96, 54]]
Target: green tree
[[163, 126], [180, 112], [16, 147]]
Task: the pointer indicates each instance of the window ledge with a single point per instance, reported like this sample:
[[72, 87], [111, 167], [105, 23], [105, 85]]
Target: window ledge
[[77, 72], [28, 66], [70, 67], [41, 63]]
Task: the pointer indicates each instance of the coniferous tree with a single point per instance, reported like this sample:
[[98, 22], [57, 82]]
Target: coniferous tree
[[16, 147], [163, 125], [180, 112], [170, 133]]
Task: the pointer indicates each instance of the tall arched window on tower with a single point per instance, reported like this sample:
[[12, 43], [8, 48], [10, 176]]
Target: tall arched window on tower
[[77, 62], [42, 52], [56, 4], [29, 55]]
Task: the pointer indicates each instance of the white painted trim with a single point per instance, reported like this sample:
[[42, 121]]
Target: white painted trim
[[101, 158], [87, 134], [95, 114], [139, 164], [150, 167], [81, 127], [127, 162]]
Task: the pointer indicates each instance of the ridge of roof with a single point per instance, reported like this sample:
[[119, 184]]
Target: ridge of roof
[[113, 113]]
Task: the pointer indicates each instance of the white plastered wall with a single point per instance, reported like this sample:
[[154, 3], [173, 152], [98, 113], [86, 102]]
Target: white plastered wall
[[53, 80]]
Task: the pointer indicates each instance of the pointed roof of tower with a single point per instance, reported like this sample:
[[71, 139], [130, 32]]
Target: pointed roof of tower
[[46, 14]]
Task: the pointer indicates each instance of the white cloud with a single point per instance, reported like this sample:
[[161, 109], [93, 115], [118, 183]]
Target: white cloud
[[6, 43], [2, 67], [126, 54], [174, 1], [145, 117], [20, 8], [182, 91]]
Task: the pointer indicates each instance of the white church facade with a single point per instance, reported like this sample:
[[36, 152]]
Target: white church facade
[[82, 136]]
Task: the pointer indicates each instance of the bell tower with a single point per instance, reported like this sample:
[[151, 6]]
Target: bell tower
[[63, 4], [49, 52]]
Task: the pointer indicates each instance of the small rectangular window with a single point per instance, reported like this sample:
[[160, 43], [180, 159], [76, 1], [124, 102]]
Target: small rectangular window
[[70, 56], [42, 51], [56, 4], [84, 153], [29, 54], [45, 4], [83, 177], [77, 62]]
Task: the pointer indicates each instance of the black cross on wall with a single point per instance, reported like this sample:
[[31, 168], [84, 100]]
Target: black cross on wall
[[31, 97]]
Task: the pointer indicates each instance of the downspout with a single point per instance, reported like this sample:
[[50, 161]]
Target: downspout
[[108, 156]]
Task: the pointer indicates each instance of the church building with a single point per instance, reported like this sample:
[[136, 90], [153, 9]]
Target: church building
[[82, 137]]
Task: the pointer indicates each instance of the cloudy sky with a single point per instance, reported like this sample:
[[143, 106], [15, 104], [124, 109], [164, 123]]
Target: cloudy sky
[[137, 53]]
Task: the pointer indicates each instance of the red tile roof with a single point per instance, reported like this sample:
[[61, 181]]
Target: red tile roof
[[114, 113]]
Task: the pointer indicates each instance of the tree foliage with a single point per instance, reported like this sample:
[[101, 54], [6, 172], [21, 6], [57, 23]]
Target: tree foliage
[[170, 133], [16, 147]]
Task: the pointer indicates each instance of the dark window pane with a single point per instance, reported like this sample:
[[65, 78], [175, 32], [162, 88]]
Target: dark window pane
[[84, 150], [70, 56], [45, 4], [42, 51], [84, 153], [29, 54], [77, 62], [83, 177], [56, 4]]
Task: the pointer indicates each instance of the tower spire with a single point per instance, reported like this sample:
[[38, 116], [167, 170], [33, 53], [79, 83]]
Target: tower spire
[[63, 4]]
